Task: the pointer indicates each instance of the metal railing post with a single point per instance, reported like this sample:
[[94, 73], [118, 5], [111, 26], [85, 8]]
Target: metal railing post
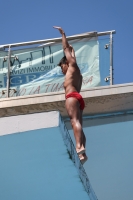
[[8, 72], [111, 59]]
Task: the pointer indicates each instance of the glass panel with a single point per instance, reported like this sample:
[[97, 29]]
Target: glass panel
[[35, 70], [104, 60]]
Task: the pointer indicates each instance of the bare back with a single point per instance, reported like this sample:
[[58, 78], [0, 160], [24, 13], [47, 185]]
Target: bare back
[[73, 79]]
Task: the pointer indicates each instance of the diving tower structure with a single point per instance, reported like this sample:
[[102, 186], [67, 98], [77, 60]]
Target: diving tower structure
[[37, 152]]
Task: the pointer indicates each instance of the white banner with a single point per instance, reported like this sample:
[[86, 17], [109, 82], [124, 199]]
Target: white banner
[[36, 70]]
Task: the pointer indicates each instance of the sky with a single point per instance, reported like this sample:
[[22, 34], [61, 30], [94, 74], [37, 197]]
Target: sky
[[28, 20]]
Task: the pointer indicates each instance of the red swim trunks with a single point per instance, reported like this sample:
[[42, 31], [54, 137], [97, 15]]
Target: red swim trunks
[[77, 96]]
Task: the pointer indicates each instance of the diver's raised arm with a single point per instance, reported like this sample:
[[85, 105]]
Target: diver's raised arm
[[70, 55]]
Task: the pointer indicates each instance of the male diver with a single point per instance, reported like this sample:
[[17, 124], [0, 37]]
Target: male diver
[[74, 101]]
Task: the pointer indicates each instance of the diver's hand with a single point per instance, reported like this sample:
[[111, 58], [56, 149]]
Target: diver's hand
[[60, 29]]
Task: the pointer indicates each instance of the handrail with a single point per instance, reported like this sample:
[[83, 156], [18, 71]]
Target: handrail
[[78, 36]]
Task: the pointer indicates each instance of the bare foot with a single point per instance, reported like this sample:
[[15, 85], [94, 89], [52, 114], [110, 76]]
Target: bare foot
[[81, 150], [83, 158]]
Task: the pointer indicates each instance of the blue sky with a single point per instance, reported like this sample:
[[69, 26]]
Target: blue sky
[[33, 20]]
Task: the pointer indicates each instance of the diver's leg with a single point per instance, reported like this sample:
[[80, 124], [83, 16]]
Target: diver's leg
[[81, 121], [74, 112]]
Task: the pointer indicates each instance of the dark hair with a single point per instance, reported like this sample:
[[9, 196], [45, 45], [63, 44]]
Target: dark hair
[[62, 61]]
